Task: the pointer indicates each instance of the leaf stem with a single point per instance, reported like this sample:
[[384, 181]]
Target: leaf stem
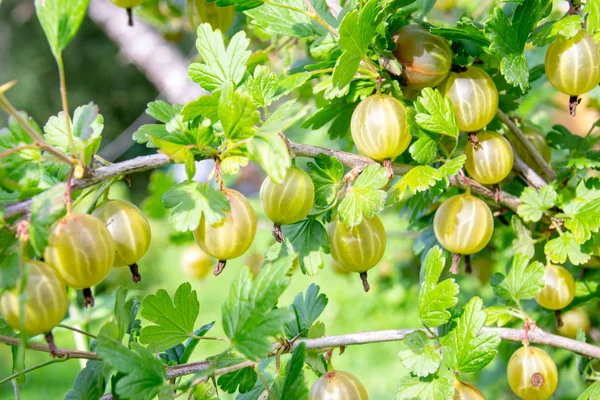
[[33, 368], [209, 338], [17, 149], [71, 328], [65, 103], [264, 382]]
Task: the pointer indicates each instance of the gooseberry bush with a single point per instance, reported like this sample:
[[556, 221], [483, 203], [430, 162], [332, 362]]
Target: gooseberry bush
[[423, 105]]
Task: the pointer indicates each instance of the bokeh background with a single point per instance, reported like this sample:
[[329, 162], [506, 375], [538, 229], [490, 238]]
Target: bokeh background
[[99, 69]]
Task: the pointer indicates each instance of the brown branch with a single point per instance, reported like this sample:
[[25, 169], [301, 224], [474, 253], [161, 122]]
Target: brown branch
[[535, 154], [527, 174], [11, 341]]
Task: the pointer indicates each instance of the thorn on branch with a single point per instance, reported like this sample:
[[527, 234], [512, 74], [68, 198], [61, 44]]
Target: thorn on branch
[[88, 298], [219, 267], [278, 233], [365, 282], [573, 103], [135, 273]]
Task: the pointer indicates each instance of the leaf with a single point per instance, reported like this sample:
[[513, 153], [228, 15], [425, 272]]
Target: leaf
[[46, 208], [536, 203], [309, 241], [60, 20], [465, 348], [523, 243], [262, 85], [435, 113], [364, 196], [423, 150], [583, 218], [326, 173], [466, 30], [338, 112], [145, 134], [284, 21], [500, 315], [178, 153], [174, 319], [190, 200], [144, 374], [160, 183], [420, 357], [237, 113], [292, 385], [86, 131], [345, 69], [206, 106], [242, 380], [124, 312], [451, 167], [565, 246], [413, 387], [89, 383], [219, 64], [418, 179], [162, 111], [435, 298], [306, 311], [10, 256], [249, 316], [271, 152], [523, 281], [562, 139], [592, 12], [591, 393]]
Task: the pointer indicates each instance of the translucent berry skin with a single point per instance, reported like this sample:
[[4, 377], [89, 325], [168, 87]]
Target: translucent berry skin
[[81, 249], [463, 224], [196, 263], [289, 201], [233, 235], [426, 58], [127, 3], [532, 375], [492, 161], [129, 229], [464, 391], [379, 127], [572, 321], [474, 97], [573, 65], [360, 248], [338, 385], [46, 300], [200, 11], [558, 290]]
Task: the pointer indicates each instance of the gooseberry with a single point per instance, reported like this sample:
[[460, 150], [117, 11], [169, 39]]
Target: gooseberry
[[130, 231], [199, 11], [464, 391], [558, 290], [572, 321], [195, 263], [536, 137], [532, 374], [128, 5], [490, 158], [230, 237], [426, 58], [338, 385]]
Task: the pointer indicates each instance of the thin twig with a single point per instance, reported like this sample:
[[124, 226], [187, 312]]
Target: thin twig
[[26, 370], [76, 330], [529, 175]]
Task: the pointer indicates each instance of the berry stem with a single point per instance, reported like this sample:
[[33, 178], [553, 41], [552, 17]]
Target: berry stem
[[68, 201], [278, 233], [573, 103], [455, 261], [468, 268], [130, 17], [135, 273], [219, 267], [51, 345], [559, 320], [88, 298], [218, 174], [365, 282], [474, 140], [389, 168]]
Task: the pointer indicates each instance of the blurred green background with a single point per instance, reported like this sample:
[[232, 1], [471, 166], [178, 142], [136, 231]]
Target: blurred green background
[[96, 72]]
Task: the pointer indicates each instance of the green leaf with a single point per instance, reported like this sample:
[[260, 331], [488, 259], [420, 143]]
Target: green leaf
[[306, 310], [435, 113], [190, 200], [249, 316], [10, 256], [567, 27], [583, 218], [89, 383], [262, 85], [523, 281], [86, 131], [174, 319], [364, 196], [326, 173], [338, 112], [565, 246], [178, 153], [523, 243], [562, 139], [60, 20], [271, 152], [124, 312], [308, 238], [592, 12], [421, 357], [415, 388], [515, 69], [46, 208], [145, 134], [206, 106], [536, 203], [162, 111], [435, 298], [466, 30], [345, 69], [451, 167], [465, 348], [242, 380], [144, 374], [424, 150], [500, 315], [237, 113], [160, 183], [591, 393], [418, 179], [219, 64], [291, 384], [284, 21]]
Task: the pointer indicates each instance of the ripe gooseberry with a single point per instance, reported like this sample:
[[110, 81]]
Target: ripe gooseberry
[[572, 321], [289, 201], [558, 290], [82, 251], [199, 11], [426, 58], [338, 385], [474, 98], [128, 5], [45, 297], [536, 137], [490, 157], [532, 374], [573, 65], [233, 235], [379, 127], [195, 263], [130, 231], [463, 224], [464, 391], [359, 248]]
